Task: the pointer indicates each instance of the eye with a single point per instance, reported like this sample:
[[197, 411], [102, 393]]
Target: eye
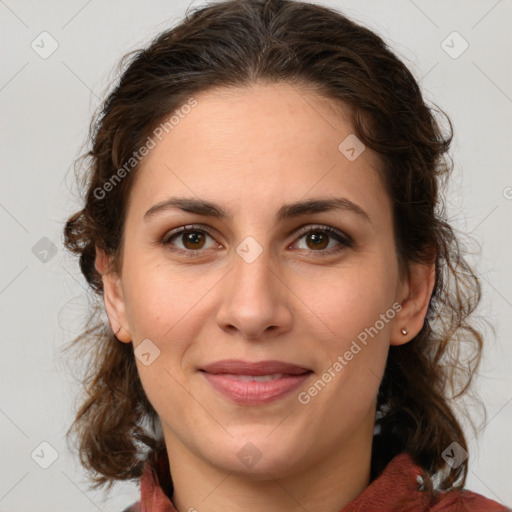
[[192, 239], [318, 238]]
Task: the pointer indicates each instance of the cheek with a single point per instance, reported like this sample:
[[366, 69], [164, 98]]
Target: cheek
[[354, 311], [163, 307], [348, 301], [160, 299], [166, 306]]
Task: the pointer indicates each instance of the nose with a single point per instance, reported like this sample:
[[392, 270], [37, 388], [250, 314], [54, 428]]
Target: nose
[[255, 299]]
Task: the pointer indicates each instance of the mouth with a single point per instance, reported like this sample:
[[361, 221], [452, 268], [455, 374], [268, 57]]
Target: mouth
[[254, 383]]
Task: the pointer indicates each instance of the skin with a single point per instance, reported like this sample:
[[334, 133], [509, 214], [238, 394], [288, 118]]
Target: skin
[[252, 150]]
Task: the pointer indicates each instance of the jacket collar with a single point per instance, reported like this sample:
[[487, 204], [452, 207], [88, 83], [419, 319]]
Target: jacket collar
[[395, 489]]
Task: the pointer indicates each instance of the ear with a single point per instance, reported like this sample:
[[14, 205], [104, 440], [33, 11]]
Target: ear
[[415, 292], [113, 297]]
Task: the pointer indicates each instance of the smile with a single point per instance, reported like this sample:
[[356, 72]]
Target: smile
[[257, 383]]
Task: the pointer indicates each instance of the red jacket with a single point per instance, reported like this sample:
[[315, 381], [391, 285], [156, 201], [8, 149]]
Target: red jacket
[[396, 489]]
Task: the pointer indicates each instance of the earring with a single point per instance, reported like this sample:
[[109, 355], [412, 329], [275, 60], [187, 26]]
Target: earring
[[404, 331]]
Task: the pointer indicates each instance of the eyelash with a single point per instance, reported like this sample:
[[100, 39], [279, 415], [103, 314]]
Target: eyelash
[[345, 240]]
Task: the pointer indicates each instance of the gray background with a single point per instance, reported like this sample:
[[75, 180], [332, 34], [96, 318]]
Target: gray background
[[46, 106]]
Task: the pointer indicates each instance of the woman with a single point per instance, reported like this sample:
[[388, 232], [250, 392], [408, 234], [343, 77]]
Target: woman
[[285, 299]]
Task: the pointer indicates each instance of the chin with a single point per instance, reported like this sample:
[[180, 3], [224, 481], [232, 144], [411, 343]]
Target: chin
[[259, 455]]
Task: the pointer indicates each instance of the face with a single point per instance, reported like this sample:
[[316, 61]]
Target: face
[[316, 290]]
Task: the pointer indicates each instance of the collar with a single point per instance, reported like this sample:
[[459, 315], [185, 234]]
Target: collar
[[396, 489]]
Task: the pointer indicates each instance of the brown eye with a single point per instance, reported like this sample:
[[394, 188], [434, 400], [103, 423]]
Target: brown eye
[[188, 239], [193, 240], [318, 238]]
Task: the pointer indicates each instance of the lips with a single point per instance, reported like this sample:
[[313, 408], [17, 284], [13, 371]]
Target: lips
[[254, 383], [238, 367]]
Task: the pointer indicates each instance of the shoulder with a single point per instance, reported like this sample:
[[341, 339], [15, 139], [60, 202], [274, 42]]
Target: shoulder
[[465, 501]]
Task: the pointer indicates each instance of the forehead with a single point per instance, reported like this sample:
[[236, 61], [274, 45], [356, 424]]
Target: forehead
[[259, 146]]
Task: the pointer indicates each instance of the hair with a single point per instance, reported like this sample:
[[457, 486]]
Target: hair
[[237, 43]]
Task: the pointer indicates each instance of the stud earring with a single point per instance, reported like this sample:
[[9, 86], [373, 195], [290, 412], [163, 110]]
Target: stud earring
[[404, 331]]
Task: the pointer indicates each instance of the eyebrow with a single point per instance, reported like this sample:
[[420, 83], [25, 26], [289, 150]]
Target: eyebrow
[[287, 211]]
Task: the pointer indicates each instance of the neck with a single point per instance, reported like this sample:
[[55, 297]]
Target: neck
[[330, 483]]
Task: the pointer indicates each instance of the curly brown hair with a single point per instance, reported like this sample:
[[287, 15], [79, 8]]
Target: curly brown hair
[[236, 43]]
